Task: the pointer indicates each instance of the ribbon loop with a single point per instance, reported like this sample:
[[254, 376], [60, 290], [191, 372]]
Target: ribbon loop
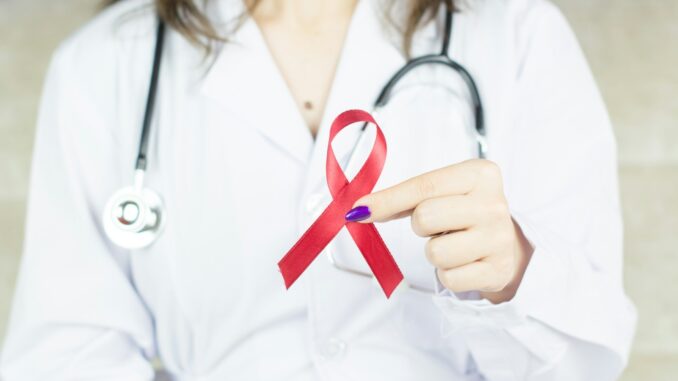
[[330, 222]]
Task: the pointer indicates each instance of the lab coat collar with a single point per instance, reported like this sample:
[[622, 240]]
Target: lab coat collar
[[245, 79]]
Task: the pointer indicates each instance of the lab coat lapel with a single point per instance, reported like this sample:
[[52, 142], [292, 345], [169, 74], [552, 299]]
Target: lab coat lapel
[[367, 61], [246, 81]]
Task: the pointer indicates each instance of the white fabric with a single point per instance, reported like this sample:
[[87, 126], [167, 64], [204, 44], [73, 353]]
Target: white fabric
[[242, 178]]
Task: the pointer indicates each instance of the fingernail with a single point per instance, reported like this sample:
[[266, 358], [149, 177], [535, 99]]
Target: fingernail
[[359, 213]]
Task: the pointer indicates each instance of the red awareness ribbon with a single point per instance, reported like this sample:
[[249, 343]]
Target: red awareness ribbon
[[330, 222]]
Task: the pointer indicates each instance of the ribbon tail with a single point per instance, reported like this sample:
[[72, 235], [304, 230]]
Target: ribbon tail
[[311, 243], [377, 255]]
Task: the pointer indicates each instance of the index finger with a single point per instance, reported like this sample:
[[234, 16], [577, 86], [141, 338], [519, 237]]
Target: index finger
[[399, 200]]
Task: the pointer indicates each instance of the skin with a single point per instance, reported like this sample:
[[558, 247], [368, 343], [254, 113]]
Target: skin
[[473, 241], [305, 38]]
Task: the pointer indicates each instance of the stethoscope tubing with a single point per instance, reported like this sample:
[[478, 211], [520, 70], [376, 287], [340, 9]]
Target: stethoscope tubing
[[142, 161]]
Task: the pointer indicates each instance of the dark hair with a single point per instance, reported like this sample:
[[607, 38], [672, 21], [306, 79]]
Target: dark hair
[[187, 17]]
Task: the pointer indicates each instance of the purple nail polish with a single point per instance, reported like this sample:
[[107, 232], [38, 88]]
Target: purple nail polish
[[359, 213]]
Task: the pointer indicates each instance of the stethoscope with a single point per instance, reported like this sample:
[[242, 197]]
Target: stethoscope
[[134, 217]]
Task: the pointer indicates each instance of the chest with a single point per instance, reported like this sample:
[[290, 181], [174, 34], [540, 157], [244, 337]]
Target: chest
[[305, 54]]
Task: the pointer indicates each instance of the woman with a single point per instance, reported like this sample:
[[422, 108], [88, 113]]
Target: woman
[[515, 261]]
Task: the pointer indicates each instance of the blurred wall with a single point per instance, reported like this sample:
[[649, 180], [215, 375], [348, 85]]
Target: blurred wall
[[632, 47]]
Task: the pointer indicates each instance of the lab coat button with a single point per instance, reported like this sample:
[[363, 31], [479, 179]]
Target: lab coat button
[[334, 348]]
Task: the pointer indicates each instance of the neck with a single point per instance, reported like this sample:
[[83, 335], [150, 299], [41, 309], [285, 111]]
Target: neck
[[303, 15]]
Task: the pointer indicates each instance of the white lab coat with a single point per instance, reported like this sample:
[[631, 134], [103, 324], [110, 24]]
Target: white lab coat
[[242, 178]]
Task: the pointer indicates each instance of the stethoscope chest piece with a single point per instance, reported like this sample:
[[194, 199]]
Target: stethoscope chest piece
[[132, 217]]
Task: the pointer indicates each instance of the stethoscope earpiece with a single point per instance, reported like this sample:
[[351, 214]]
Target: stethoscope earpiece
[[133, 218]]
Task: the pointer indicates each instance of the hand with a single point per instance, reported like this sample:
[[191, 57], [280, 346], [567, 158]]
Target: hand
[[474, 243]]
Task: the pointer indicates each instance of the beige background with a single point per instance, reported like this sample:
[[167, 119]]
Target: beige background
[[632, 46]]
